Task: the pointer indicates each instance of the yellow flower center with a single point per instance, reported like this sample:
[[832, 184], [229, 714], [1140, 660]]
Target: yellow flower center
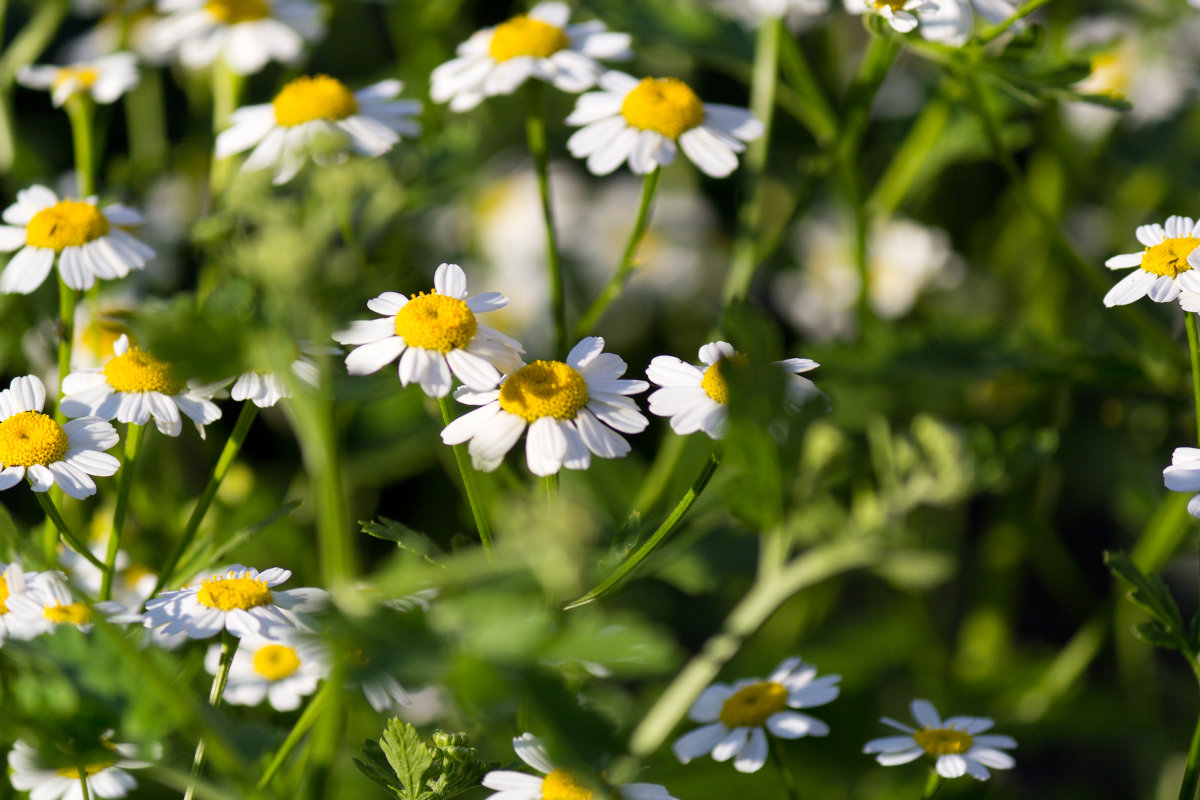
[[276, 661], [228, 593], [319, 97], [525, 36], [3, 595], [1110, 74], [1169, 257], [232, 12], [544, 389], [70, 614], [564, 785], [138, 371], [713, 383], [85, 76], [664, 105], [750, 707], [436, 322], [31, 438], [894, 5], [88, 770], [944, 741], [68, 223]]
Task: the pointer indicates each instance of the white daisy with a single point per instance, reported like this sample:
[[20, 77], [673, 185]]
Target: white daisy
[[434, 335], [559, 784], [572, 409], [538, 45], [14, 582], [1165, 265], [246, 34], [105, 776], [34, 446], [87, 241], [954, 742], [281, 670], [241, 600], [698, 399], [321, 117], [642, 121], [1184, 475], [739, 715], [384, 693], [265, 389], [952, 21], [134, 386], [49, 602], [753, 13], [900, 14], [105, 79]]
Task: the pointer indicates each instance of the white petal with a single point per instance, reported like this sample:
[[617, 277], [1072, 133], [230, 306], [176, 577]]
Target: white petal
[[699, 742], [754, 755]]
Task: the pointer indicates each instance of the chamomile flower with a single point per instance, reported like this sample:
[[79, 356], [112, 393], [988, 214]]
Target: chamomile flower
[[105, 773], [558, 783], [280, 670], [644, 121], [900, 14], [434, 335], [135, 386], [1184, 475], [753, 13], [538, 45], [1164, 267], [104, 79], [35, 447], [85, 240], [265, 389], [50, 603], [954, 742], [739, 715], [572, 410], [319, 116], [14, 582], [698, 399]]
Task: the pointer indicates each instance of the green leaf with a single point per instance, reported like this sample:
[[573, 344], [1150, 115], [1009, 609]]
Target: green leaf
[[409, 757], [1148, 592], [405, 537], [374, 764], [1153, 633]]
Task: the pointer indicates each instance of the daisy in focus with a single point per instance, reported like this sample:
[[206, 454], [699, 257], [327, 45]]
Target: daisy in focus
[[321, 117], [740, 715], [104, 79], [1184, 475], [435, 336], [573, 409], [281, 671], [1164, 267], [105, 776], [643, 122], [954, 742], [35, 447], [559, 784], [85, 240], [50, 603], [539, 45], [900, 14]]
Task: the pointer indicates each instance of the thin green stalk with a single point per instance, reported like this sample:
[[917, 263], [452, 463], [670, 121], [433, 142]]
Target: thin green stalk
[[535, 129], [628, 261], [1191, 774], [551, 482], [229, 644], [911, 157], [52, 513], [1189, 320], [24, 49], [819, 116], [1018, 15], [83, 784], [133, 438], [68, 299], [933, 785], [299, 730], [146, 123], [81, 111], [659, 475], [227, 91], [468, 479], [790, 784]]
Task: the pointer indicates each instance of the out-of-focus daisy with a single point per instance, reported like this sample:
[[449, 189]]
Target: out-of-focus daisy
[[122, 24], [132, 583], [559, 784], [246, 34], [319, 116], [106, 777], [742, 713], [104, 79], [952, 21], [698, 399], [1184, 475], [572, 409], [280, 670], [538, 45], [50, 603], [265, 389], [135, 386], [14, 582], [752, 13], [902, 15], [241, 600], [34, 446], [642, 122], [434, 335], [1164, 267], [87, 241], [955, 743]]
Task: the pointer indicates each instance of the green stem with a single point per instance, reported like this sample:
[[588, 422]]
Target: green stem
[[1189, 320], [52, 513], [932, 785], [133, 437], [657, 538], [299, 730], [628, 261], [146, 124], [790, 784], [911, 157], [551, 482], [81, 111], [83, 784], [468, 479], [24, 49], [1018, 15], [535, 128], [819, 115], [68, 299], [227, 90], [229, 644]]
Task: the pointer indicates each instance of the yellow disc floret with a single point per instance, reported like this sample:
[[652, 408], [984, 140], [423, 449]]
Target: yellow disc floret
[[1169, 257], [88, 770], [944, 741], [231, 12], [544, 389], [138, 371], [526, 36], [3, 595], [68, 223], [84, 76], [564, 785], [750, 707], [436, 322], [664, 105], [319, 97], [31, 438], [713, 383], [70, 614], [276, 661], [227, 593], [894, 5]]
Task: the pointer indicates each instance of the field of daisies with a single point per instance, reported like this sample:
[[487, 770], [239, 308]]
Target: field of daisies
[[599, 400]]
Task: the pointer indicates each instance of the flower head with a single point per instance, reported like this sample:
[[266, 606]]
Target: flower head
[[280, 670], [1164, 267], [1184, 475], [265, 389], [14, 582], [558, 783], [105, 776], [954, 742], [49, 603], [900, 14], [103, 79]]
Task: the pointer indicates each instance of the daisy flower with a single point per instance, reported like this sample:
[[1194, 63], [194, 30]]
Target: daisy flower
[[265, 389], [319, 116], [241, 600], [104, 79], [14, 582], [739, 715], [134, 386], [572, 409], [434, 335], [50, 603], [35, 447], [87, 241], [900, 14], [559, 784], [106, 777], [538, 45], [1165, 266], [698, 399], [753, 13], [954, 742], [643, 121], [246, 34], [281, 670], [1184, 475]]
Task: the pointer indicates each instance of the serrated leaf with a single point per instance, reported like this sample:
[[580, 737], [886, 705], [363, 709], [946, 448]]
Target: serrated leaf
[[1148, 592], [374, 765], [1153, 633], [403, 536], [409, 757]]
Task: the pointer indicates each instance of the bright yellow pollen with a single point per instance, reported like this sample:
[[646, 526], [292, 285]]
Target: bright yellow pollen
[[436, 322], [86, 76], [276, 661], [3, 595], [227, 593], [944, 741], [70, 614], [544, 389], [751, 706], [88, 770], [138, 371], [664, 105], [1110, 74], [894, 5], [525, 36], [564, 785], [232, 12], [31, 438], [68, 223], [713, 383], [319, 97], [1169, 257]]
